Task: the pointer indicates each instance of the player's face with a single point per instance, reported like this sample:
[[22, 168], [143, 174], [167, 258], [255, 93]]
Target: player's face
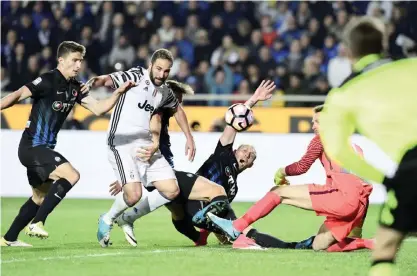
[[245, 156], [316, 126], [160, 71], [71, 64]]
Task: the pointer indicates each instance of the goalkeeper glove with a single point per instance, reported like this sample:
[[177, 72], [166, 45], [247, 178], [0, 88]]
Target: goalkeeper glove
[[279, 178]]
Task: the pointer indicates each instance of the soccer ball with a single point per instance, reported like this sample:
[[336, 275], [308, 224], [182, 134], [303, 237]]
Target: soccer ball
[[239, 116]]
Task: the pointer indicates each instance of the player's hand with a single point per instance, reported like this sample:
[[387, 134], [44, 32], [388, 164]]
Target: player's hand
[[264, 90], [115, 188], [146, 153], [125, 87], [85, 87], [190, 149], [279, 178]]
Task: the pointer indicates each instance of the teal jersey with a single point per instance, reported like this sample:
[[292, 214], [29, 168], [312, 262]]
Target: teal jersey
[[378, 101]]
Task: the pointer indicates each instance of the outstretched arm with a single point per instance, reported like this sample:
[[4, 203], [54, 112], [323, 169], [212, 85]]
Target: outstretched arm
[[103, 106], [15, 97], [262, 93], [182, 121]]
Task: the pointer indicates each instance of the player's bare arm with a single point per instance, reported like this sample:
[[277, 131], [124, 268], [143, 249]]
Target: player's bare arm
[[262, 93], [145, 153], [98, 81], [182, 121], [103, 106], [15, 97]]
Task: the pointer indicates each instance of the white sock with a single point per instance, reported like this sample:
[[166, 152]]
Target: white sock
[[149, 202], [119, 205]]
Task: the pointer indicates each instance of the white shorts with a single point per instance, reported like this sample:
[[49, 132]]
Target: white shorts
[[128, 168]]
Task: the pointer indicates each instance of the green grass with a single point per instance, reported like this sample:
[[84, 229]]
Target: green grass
[[72, 248]]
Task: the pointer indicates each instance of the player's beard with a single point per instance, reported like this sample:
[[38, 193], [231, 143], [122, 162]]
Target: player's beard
[[153, 78]]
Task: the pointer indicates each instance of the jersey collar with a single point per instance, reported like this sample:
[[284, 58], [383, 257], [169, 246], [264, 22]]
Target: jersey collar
[[365, 61]]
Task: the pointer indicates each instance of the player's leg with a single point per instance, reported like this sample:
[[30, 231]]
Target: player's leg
[[127, 175], [182, 221], [26, 213], [298, 196], [46, 164]]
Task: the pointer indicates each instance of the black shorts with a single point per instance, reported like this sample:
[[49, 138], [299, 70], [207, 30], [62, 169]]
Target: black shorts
[[186, 183], [399, 211], [40, 162]]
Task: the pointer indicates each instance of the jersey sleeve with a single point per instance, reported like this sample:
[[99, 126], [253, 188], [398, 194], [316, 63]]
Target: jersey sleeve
[[134, 74], [222, 149], [40, 86], [314, 150]]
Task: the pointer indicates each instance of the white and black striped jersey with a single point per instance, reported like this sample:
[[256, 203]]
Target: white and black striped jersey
[[130, 119]]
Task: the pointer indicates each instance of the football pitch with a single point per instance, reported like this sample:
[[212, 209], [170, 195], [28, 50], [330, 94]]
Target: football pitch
[[72, 248]]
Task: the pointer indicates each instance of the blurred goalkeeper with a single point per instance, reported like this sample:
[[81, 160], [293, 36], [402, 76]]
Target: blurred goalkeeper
[[379, 101]]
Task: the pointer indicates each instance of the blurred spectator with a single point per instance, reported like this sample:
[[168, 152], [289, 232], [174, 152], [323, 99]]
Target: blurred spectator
[[242, 33], [279, 53], [122, 52], [184, 73], [18, 66], [217, 31], [306, 48], [253, 76], [219, 80], [295, 88], [266, 63], [243, 90], [203, 48], [230, 15], [316, 34], [185, 47], [268, 33], [5, 80], [28, 34], [33, 69], [81, 18], [104, 20], [46, 34], [223, 53], [65, 31], [192, 27], [255, 43], [142, 57], [115, 31], [341, 21], [93, 49], [311, 72], [39, 13], [141, 32], [85, 73], [339, 68], [177, 60], [155, 43], [330, 47], [294, 60], [303, 14], [7, 49], [282, 17], [12, 17], [47, 59], [166, 32]]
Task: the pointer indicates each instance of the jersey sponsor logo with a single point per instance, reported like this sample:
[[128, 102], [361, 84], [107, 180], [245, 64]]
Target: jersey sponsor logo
[[37, 81], [189, 175], [60, 92], [63, 107], [74, 92], [146, 89], [57, 159], [230, 181], [28, 124], [147, 107], [147, 82]]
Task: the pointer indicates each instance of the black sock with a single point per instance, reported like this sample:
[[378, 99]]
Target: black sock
[[54, 196], [186, 228], [268, 241], [26, 213]]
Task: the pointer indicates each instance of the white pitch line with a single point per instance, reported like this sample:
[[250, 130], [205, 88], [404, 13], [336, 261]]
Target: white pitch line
[[158, 251]]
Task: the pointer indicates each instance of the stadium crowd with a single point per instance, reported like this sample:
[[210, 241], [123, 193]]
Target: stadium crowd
[[219, 47]]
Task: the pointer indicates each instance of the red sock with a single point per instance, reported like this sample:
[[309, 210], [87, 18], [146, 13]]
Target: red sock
[[349, 244], [259, 210]]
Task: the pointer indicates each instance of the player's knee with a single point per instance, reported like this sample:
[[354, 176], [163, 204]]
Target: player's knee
[[319, 245], [68, 172], [217, 190], [132, 198], [38, 198], [73, 176]]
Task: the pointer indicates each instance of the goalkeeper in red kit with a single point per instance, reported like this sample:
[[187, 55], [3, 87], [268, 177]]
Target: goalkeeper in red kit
[[343, 200]]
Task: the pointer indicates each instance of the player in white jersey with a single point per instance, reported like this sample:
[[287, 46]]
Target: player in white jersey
[[129, 130]]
